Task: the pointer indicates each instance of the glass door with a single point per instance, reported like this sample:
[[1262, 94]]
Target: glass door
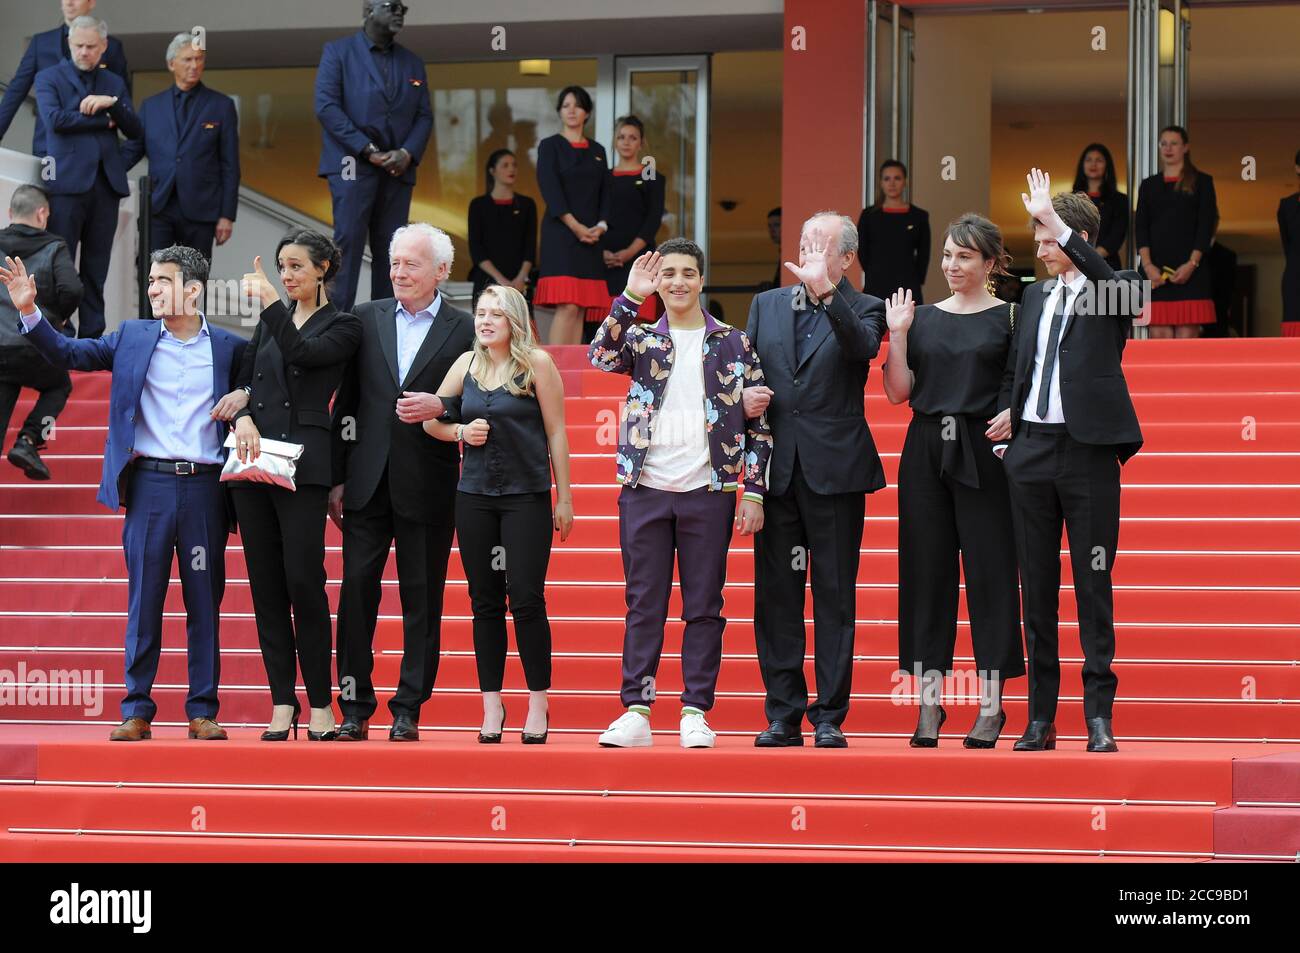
[[670, 95]]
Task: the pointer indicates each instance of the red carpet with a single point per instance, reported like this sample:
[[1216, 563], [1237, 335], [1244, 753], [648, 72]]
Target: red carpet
[[1208, 609]]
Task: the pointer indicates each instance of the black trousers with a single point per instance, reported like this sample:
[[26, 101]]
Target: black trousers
[[168, 226], [505, 547], [284, 547], [422, 553], [803, 528], [22, 367], [1054, 480], [940, 520]]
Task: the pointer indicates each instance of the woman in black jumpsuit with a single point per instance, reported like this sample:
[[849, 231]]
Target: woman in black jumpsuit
[[948, 359]]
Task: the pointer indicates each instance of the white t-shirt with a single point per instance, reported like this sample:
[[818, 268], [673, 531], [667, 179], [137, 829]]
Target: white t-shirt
[[678, 457]]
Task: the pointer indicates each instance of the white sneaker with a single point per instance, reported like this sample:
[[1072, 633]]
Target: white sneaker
[[629, 730], [696, 732]]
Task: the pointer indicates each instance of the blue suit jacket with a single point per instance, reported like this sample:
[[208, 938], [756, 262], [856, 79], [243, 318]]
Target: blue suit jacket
[[77, 142], [354, 108], [127, 352], [201, 161], [45, 50]]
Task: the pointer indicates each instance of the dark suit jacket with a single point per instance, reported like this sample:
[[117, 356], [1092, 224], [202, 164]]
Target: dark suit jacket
[[48, 49], [422, 472], [355, 108], [1094, 394], [201, 161], [127, 352], [76, 142], [817, 403], [293, 375]]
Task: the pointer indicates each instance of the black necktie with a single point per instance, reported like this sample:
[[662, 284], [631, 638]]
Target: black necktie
[[1049, 359], [182, 110]]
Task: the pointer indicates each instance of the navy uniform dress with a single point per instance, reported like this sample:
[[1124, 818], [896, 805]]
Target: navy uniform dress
[[1288, 225], [504, 232], [1173, 224], [574, 178], [953, 499], [636, 210], [1114, 224], [894, 249]]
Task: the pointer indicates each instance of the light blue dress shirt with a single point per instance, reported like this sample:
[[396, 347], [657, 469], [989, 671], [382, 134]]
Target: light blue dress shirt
[[411, 332]]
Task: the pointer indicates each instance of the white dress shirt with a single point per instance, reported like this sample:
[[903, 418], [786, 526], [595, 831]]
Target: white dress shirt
[[412, 329], [1055, 413]]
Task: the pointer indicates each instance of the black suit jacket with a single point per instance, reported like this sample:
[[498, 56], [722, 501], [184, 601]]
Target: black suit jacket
[[293, 375], [422, 472], [1094, 394], [816, 411]]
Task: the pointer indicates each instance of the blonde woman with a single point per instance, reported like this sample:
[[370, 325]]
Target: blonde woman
[[511, 399]]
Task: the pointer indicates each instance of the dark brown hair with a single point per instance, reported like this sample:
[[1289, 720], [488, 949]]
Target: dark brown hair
[[979, 234]]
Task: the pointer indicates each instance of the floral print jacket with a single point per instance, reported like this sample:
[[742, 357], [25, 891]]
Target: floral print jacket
[[738, 448]]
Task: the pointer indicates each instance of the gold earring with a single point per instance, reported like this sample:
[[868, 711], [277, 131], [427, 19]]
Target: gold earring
[[988, 283]]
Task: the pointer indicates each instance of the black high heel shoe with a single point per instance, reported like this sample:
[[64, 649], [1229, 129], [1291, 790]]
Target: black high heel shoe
[[971, 742], [328, 735], [922, 741], [494, 739], [269, 735], [531, 739]]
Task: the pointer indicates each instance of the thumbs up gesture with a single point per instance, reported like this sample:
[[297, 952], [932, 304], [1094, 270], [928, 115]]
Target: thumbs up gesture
[[256, 286]]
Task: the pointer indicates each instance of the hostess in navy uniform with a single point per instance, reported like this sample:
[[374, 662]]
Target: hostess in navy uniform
[[574, 178], [1288, 226], [192, 141], [371, 95], [1114, 224], [89, 179], [502, 231], [1173, 223], [45, 50], [894, 249], [636, 209]]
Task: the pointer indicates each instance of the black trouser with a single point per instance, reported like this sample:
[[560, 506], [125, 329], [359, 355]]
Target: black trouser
[[940, 519], [284, 548], [1055, 479], [22, 367], [422, 553], [802, 527], [168, 226], [505, 547]]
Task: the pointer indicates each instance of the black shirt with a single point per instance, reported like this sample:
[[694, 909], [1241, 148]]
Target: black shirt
[[958, 360], [516, 457]]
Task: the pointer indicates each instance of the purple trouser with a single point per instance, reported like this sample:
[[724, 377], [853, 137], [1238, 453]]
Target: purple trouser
[[652, 525]]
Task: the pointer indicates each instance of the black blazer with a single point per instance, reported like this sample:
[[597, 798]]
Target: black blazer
[[817, 403], [293, 375], [422, 472], [1094, 394]]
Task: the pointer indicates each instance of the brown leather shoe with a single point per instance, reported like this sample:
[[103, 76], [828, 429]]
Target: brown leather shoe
[[205, 729], [133, 729]]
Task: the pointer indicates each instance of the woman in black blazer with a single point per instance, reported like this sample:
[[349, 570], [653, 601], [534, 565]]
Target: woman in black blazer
[[290, 373]]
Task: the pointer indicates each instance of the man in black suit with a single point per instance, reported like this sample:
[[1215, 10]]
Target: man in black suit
[[392, 482], [1068, 410], [816, 340]]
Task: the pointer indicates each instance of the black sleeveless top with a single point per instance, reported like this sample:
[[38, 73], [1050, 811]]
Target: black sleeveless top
[[516, 457]]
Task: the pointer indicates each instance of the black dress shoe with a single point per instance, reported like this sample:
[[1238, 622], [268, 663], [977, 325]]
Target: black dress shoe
[[404, 729], [1038, 736], [1099, 736], [779, 735], [25, 457], [353, 729], [829, 736]]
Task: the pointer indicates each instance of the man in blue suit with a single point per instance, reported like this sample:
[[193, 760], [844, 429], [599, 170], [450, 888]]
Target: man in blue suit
[[163, 462], [83, 108], [48, 49], [372, 100], [191, 136]]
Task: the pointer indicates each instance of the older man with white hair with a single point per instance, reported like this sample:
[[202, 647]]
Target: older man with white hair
[[191, 137], [392, 482], [815, 340], [84, 108]]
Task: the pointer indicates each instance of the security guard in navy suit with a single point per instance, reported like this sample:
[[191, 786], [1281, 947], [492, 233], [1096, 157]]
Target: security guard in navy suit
[[49, 49], [191, 136], [83, 108], [372, 100]]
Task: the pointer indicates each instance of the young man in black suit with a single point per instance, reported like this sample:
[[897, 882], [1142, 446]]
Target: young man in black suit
[[394, 482], [1068, 410], [815, 340]]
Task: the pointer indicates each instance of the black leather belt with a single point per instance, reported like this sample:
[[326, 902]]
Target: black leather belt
[[176, 467], [1031, 427]]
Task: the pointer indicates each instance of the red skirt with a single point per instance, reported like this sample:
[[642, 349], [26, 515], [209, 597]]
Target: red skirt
[[1166, 313], [1291, 329], [652, 309], [561, 289]]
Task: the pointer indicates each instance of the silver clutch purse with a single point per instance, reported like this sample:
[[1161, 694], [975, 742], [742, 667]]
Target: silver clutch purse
[[276, 464]]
